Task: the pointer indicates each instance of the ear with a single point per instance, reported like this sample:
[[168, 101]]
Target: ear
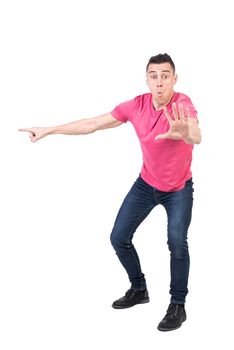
[[175, 78]]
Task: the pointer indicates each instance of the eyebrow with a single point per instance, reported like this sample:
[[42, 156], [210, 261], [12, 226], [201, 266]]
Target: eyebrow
[[163, 71]]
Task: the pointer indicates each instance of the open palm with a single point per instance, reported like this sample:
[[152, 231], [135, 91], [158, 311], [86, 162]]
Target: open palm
[[179, 123]]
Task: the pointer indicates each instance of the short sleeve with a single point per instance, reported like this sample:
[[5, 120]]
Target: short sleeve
[[124, 111], [187, 103]]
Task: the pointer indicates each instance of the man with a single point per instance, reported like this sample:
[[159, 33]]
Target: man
[[167, 127]]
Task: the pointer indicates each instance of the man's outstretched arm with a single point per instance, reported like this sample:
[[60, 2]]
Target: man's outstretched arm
[[79, 127]]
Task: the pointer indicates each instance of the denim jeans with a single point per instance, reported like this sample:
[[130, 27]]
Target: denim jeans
[[139, 202]]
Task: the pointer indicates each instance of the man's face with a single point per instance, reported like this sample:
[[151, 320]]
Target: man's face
[[161, 80]]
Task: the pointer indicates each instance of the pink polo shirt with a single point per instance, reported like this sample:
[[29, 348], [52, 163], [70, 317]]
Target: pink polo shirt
[[166, 163]]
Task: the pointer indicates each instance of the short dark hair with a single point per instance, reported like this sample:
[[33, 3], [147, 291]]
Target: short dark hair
[[161, 58]]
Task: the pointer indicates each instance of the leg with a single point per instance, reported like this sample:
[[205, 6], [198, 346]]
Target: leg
[[179, 211], [136, 206]]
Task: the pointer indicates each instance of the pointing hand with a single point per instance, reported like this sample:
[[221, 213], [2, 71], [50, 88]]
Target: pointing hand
[[36, 134]]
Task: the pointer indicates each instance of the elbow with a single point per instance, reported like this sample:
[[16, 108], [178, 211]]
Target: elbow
[[196, 140], [199, 138]]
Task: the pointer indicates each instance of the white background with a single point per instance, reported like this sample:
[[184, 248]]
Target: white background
[[65, 60]]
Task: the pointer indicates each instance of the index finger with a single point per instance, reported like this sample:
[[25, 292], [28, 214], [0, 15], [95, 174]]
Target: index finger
[[167, 114], [25, 129]]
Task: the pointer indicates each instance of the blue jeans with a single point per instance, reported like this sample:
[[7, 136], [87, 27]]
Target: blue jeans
[[139, 202]]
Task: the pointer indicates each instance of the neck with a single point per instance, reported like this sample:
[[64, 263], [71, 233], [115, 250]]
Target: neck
[[158, 106]]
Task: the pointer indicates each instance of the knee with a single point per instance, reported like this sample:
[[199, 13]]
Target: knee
[[118, 240], [178, 248], [113, 239]]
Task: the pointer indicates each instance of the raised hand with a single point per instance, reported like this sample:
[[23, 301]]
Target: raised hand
[[179, 124], [35, 134]]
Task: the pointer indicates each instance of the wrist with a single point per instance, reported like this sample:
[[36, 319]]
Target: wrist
[[50, 130]]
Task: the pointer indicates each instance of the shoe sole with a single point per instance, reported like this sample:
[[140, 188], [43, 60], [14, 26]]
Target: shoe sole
[[142, 301], [171, 329]]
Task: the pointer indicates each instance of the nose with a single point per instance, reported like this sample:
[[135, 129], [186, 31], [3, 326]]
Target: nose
[[159, 82]]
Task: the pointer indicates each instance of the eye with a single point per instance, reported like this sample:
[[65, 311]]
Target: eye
[[154, 76], [165, 76]]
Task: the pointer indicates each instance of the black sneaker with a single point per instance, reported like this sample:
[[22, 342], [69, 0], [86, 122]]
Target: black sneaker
[[131, 298], [174, 318]]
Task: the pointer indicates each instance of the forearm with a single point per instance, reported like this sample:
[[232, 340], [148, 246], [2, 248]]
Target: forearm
[[79, 127], [194, 136]]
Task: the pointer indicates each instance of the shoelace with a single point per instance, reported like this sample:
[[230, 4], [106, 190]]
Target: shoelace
[[173, 310], [130, 293]]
